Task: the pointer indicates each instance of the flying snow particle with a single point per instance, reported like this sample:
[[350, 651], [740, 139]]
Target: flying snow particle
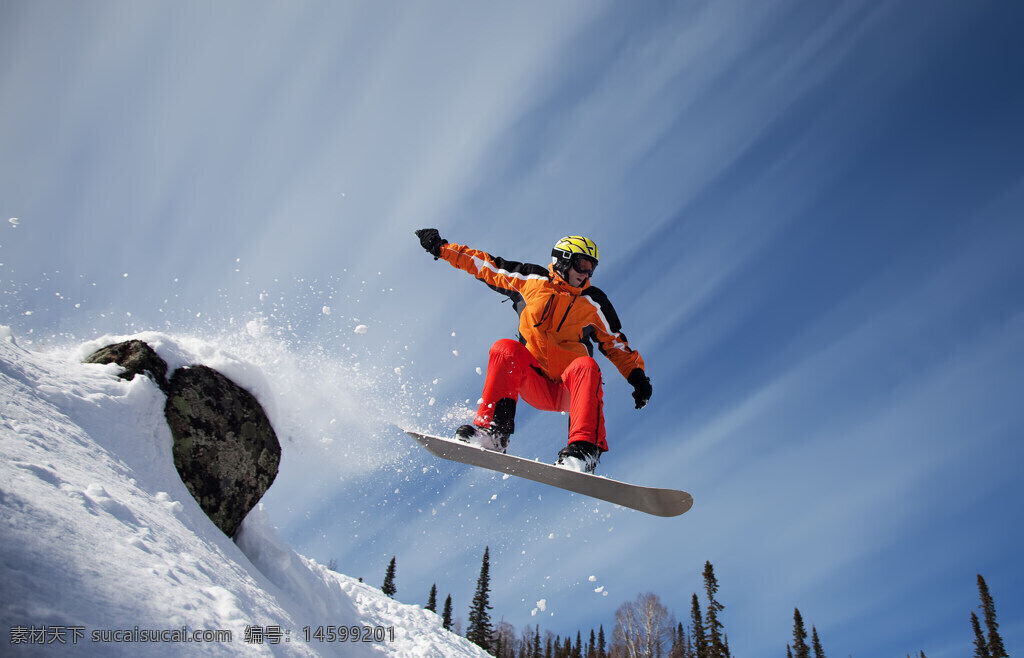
[[326, 310], [592, 579], [14, 222], [257, 328], [542, 605], [479, 370], [600, 589], [361, 329], [455, 352]]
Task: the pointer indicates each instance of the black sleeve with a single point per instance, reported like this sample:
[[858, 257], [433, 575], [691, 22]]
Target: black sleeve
[[605, 305]]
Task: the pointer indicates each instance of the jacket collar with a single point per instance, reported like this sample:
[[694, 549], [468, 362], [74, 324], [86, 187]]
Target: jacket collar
[[562, 284]]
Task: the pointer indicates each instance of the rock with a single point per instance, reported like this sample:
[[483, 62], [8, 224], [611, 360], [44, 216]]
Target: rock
[[136, 357], [225, 449]]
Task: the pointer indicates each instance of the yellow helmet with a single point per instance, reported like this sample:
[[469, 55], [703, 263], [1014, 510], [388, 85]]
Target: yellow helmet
[[570, 249]]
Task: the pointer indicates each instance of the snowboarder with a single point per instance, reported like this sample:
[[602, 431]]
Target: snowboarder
[[551, 366]]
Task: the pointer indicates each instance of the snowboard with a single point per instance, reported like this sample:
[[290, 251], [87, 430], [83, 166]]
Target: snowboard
[[659, 502]]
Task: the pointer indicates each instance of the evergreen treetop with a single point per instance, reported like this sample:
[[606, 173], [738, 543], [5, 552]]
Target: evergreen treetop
[[980, 645], [994, 645], [446, 616], [388, 587], [480, 629], [816, 643], [432, 598], [800, 636], [700, 642], [717, 647]]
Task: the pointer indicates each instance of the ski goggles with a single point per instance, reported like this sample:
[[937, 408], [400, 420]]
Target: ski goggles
[[583, 266]]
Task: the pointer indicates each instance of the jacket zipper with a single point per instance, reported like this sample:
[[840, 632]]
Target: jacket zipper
[[559, 328]]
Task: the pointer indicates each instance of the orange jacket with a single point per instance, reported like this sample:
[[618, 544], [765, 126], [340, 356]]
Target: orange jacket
[[557, 322]]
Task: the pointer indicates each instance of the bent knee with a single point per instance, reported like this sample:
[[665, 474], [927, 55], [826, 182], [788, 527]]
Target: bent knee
[[583, 365], [509, 352], [506, 347]]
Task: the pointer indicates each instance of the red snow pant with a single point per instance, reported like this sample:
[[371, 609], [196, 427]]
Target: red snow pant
[[512, 372]]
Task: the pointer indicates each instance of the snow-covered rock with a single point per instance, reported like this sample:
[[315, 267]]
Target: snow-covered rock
[[102, 546]]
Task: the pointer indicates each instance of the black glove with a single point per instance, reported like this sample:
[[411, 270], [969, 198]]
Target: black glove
[[641, 387], [431, 240]]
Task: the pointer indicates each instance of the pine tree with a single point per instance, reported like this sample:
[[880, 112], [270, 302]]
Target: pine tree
[[682, 647], [995, 642], [700, 642], [816, 643], [678, 639], [980, 645], [800, 636], [389, 580], [592, 645], [602, 645], [432, 599], [536, 643], [446, 616], [716, 644], [688, 649], [480, 629]]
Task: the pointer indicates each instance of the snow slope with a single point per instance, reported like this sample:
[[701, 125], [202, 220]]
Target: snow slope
[[100, 534]]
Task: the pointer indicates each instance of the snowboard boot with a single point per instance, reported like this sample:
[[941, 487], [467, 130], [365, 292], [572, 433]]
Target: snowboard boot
[[488, 438], [581, 456], [495, 437]]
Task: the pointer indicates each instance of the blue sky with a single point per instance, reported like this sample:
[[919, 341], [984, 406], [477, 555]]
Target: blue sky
[[810, 222]]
